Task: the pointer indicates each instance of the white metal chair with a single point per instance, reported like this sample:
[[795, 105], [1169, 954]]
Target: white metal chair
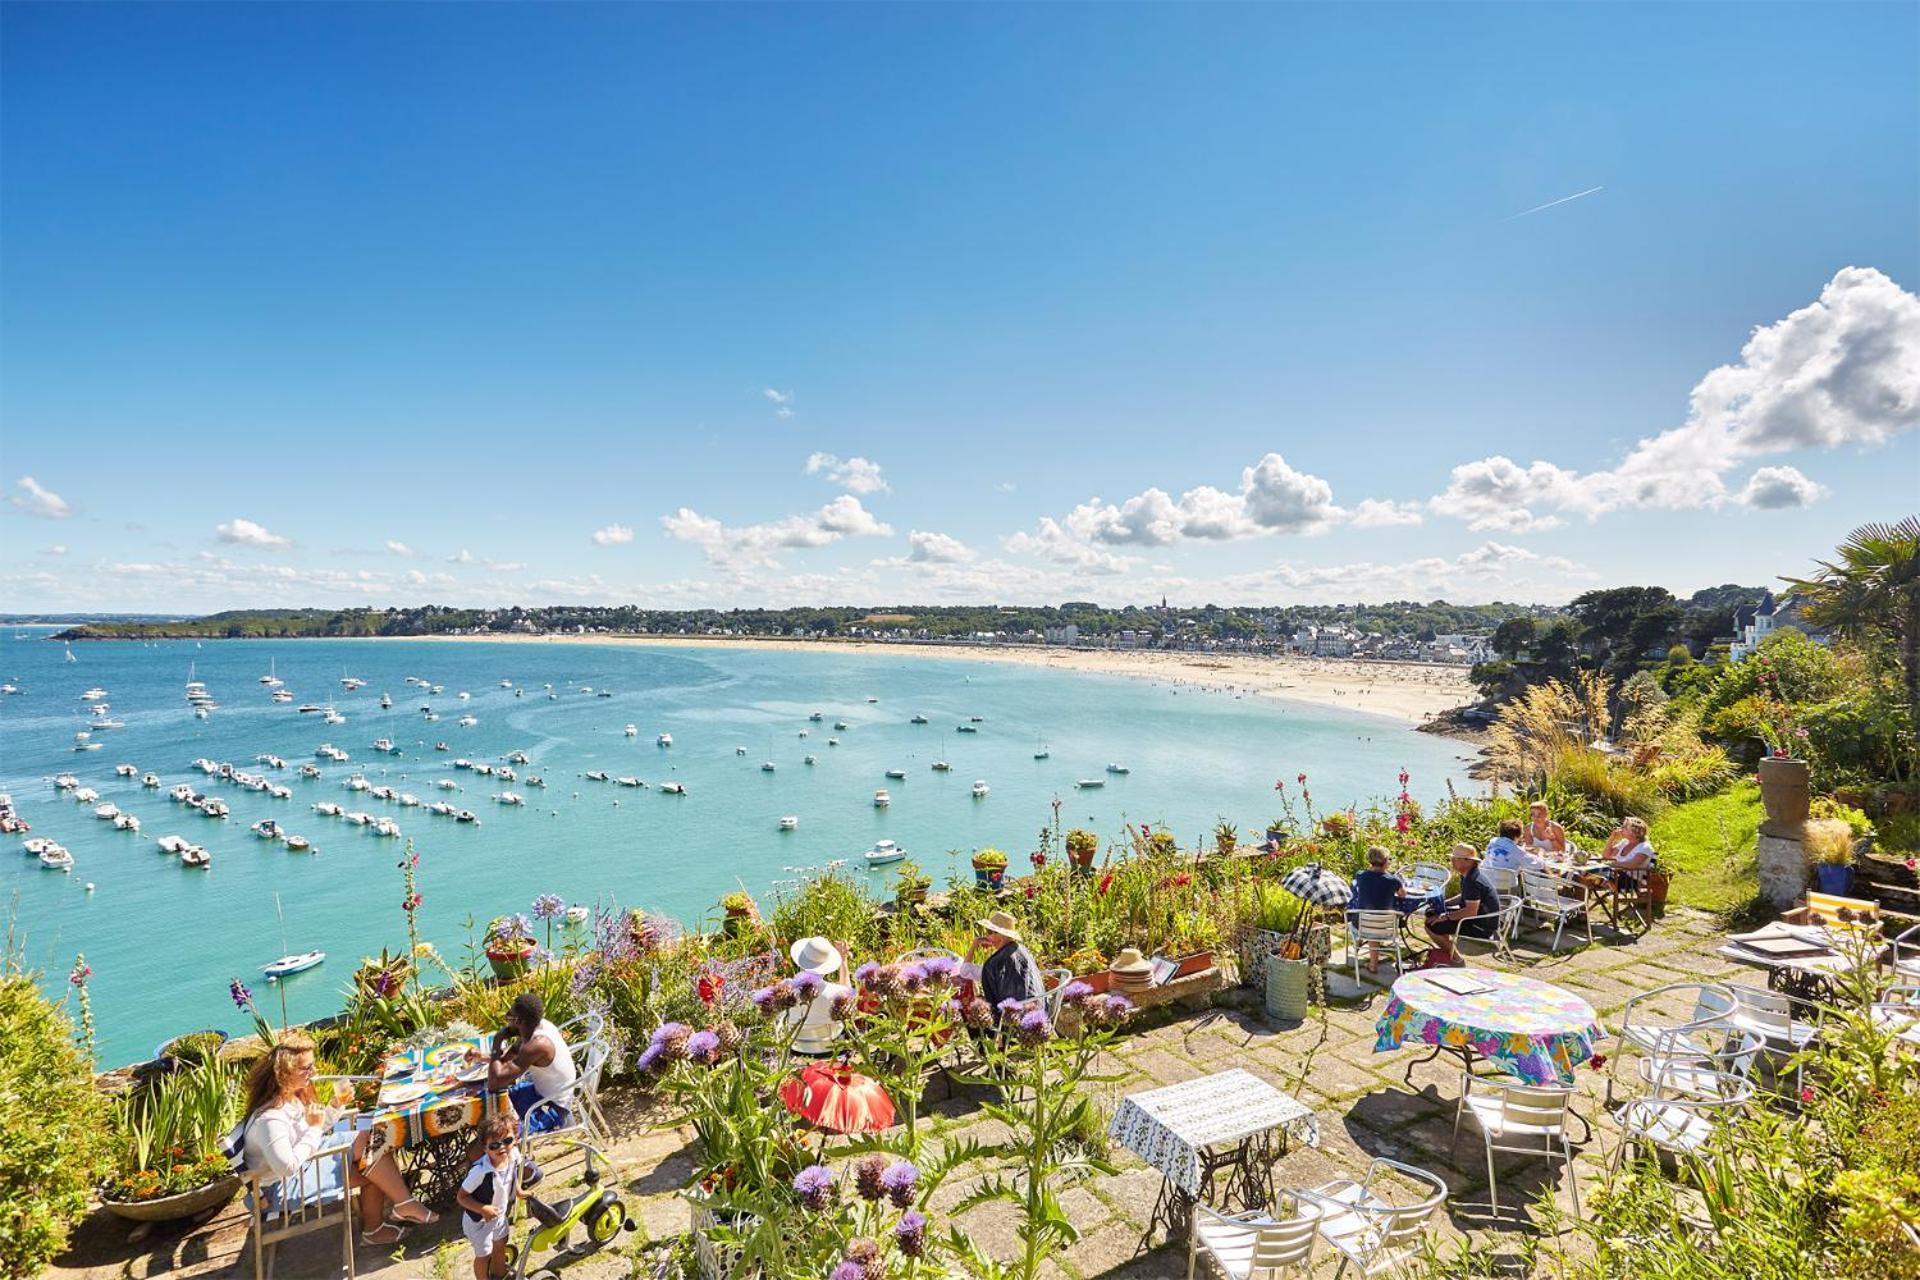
[[1425, 877], [1897, 1013], [1694, 1040], [1257, 1245], [1682, 1125], [1506, 926], [1904, 954], [323, 1196], [1053, 985], [580, 1104], [1372, 1232], [591, 1025], [1685, 1076], [1540, 895], [1380, 928], [1770, 1015], [1505, 882], [1533, 1116]]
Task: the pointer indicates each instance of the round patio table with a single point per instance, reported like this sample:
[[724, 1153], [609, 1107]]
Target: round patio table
[[1529, 1029]]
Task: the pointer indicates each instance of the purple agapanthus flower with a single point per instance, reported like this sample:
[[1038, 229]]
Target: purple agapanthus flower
[[241, 996], [548, 905], [899, 1180], [814, 1186]]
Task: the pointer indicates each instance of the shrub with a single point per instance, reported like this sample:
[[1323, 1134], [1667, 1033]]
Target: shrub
[[55, 1141]]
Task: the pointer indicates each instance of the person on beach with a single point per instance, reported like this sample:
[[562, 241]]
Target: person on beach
[[486, 1195], [1543, 834], [532, 1065], [286, 1123], [1505, 851], [1009, 971], [1470, 912], [1374, 889]]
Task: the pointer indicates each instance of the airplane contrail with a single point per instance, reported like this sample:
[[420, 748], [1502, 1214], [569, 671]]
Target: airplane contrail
[[1549, 204]]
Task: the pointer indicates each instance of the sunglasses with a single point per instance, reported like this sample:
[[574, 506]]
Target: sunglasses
[[501, 1145]]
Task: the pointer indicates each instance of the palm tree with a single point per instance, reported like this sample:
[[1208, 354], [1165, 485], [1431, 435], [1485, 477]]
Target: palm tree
[[1873, 594]]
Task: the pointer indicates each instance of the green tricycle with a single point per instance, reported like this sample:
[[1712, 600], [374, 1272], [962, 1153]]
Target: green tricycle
[[597, 1208]]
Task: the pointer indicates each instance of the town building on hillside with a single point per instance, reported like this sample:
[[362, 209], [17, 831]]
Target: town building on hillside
[[1754, 623], [1067, 633]]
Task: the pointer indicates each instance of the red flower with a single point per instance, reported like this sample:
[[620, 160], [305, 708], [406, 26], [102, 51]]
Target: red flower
[[1032, 889], [1806, 1095], [1302, 779], [1597, 1062], [1404, 776], [1106, 883], [1038, 859], [709, 987]]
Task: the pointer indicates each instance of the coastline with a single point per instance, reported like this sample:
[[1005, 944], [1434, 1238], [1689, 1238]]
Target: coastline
[[1409, 692]]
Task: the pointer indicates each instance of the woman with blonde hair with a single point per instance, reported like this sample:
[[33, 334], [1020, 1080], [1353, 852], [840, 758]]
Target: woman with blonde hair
[[286, 1123]]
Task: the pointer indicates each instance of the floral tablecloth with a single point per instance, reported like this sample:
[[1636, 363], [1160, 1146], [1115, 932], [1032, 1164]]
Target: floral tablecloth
[[408, 1117], [1168, 1128], [1528, 1028]]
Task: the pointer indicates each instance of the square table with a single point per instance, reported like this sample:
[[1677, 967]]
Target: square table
[[1194, 1130]]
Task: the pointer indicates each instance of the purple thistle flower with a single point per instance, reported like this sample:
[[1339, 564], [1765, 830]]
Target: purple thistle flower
[[1008, 1007], [845, 1003], [763, 999], [900, 1179], [867, 1172], [848, 1270], [977, 1013], [703, 1047], [911, 977], [649, 1058], [865, 971], [884, 981], [940, 969], [807, 985], [910, 1233], [1075, 992], [1034, 1027], [814, 1186], [865, 1253]]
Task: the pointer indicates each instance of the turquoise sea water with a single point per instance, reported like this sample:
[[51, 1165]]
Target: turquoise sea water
[[163, 941]]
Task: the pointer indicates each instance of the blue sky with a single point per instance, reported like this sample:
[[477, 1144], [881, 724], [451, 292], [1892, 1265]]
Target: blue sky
[[488, 304]]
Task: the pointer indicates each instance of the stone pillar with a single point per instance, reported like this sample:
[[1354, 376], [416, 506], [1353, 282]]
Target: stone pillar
[[1783, 866]]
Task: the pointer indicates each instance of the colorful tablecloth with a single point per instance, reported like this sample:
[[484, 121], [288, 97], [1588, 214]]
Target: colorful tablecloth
[[1168, 1128], [407, 1117], [1527, 1028]]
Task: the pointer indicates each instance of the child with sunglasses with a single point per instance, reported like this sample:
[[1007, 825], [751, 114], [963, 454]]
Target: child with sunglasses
[[486, 1193]]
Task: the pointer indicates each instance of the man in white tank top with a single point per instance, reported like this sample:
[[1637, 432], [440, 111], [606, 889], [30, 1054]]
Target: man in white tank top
[[533, 1066]]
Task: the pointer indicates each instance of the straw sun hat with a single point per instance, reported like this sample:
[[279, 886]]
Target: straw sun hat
[[1001, 923], [816, 955], [1130, 961]]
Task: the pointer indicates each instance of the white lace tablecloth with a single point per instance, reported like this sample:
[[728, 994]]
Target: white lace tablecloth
[[1170, 1127]]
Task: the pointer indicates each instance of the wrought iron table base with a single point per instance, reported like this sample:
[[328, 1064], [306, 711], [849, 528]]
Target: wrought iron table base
[[1248, 1165]]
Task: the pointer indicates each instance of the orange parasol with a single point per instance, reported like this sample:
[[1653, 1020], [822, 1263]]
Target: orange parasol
[[832, 1095]]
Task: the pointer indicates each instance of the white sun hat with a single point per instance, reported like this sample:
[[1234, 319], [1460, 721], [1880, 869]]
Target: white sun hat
[[816, 955]]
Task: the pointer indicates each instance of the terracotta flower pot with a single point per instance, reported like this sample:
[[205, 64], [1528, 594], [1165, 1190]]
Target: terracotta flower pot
[[1786, 791], [510, 966]]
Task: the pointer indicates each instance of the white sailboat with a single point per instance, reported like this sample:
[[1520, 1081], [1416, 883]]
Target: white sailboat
[[289, 963]]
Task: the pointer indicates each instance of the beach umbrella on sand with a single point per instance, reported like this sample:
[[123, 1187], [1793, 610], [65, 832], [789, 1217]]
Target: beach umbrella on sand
[[832, 1095], [1315, 884]]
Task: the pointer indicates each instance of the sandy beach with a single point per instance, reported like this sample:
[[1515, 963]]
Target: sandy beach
[[1411, 692]]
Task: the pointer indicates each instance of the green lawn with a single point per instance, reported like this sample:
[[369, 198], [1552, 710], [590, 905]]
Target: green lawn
[[1708, 845]]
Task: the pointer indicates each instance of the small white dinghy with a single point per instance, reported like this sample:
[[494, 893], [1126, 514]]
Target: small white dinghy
[[294, 964]]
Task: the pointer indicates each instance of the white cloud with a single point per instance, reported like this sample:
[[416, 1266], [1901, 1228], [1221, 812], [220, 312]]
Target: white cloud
[[1051, 541], [782, 402], [505, 566], [400, 549], [1006, 486], [855, 475], [57, 549], [248, 534], [462, 556], [612, 535], [1779, 488], [755, 544], [937, 548], [1844, 370], [35, 499], [1377, 513]]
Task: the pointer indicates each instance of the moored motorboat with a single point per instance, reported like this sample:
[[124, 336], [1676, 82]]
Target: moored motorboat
[[1118, 768], [1090, 784], [941, 766], [673, 789], [897, 774], [980, 790], [789, 823], [299, 844], [882, 798], [884, 851], [196, 856]]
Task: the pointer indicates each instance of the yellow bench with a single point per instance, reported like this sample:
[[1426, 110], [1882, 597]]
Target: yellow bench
[[1828, 907]]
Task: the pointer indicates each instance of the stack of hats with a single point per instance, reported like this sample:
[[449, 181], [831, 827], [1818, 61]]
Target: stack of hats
[[1131, 972]]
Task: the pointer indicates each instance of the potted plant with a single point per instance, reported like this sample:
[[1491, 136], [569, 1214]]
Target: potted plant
[[989, 868], [383, 976], [510, 946], [910, 886], [189, 1049], [739, 909], [1163, 843], [1276, 833], [168, 1130], [1082, 847], [1226, 838], [1829, 845]]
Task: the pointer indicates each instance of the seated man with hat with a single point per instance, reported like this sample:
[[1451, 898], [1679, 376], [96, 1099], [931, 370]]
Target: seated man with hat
[[1009, 973], [1473, 911], [818, 1028]]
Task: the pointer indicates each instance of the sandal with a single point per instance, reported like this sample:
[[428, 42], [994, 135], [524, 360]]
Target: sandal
[[394, 1219], [400, 1232]]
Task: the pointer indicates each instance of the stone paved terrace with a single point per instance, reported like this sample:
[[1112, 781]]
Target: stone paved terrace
[[1363, 1103]]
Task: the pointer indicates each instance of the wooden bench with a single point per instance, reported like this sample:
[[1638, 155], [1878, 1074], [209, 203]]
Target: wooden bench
[[1828, 906]]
